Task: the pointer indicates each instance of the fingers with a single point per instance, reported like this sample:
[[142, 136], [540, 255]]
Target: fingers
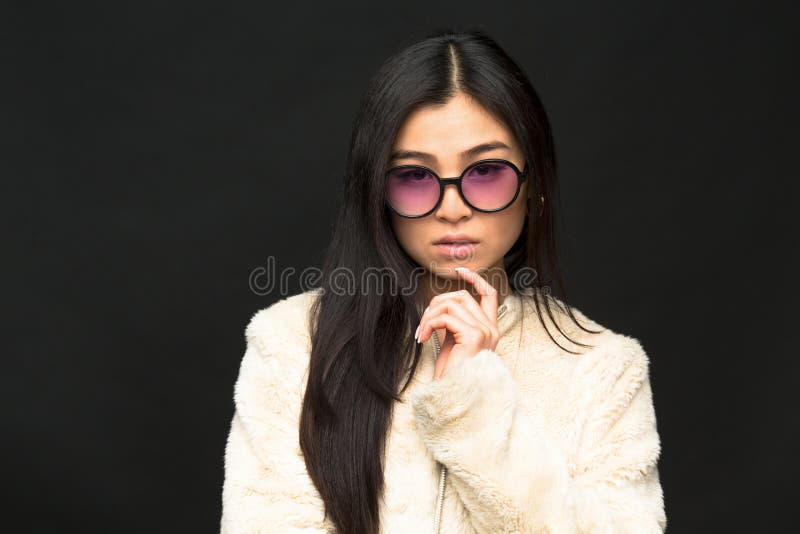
[[469, 325], [462, 304], [473, 319], [466, 299], [463, 333], [487, 293]]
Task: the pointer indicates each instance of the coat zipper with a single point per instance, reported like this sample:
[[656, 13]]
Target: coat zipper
[[443, 471], [437, 519]]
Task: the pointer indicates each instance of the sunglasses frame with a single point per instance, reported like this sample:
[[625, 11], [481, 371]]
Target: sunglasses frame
[[443, 182]]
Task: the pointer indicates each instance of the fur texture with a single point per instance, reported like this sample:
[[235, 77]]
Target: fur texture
[[535, 439]]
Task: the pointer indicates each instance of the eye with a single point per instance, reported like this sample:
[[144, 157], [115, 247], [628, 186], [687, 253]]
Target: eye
[[487, 170], [412, 175]]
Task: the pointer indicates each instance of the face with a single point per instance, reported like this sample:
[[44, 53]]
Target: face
[[444, 133]]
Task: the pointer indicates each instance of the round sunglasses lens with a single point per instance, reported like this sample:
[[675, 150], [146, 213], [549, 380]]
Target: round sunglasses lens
[[490, 185], [412, 190]]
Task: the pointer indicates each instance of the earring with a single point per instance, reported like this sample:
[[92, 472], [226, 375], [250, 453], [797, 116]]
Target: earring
[[528, 206]]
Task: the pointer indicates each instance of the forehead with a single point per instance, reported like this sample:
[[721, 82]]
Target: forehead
[[446, 130]]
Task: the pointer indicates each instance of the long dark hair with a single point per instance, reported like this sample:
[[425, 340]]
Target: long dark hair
[[362, 336]]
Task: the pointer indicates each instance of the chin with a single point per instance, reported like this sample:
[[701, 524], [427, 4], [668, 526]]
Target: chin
[[445, 269]]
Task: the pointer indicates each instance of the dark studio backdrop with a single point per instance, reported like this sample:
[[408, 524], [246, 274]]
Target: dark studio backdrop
[[155, 154]]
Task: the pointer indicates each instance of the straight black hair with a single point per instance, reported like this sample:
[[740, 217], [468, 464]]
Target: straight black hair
[[362, 344]]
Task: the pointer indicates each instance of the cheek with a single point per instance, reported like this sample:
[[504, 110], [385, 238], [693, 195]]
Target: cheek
[[415, 236], [506, 226], [407, 232]]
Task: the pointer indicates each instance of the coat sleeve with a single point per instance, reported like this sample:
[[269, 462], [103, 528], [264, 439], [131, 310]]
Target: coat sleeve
[[266, 486], [513, 477]]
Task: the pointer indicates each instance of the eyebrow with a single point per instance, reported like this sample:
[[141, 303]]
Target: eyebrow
[[469, 153]]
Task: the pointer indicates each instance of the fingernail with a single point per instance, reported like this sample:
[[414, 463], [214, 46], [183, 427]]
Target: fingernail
[[416, 335]]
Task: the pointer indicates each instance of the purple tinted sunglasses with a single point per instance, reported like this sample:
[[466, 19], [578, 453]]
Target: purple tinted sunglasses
[[487, 185]]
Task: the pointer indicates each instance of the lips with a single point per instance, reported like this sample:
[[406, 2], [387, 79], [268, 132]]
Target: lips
[[460, 251], [455, 239]]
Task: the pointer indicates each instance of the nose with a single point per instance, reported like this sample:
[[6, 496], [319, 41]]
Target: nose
[[452, 208]]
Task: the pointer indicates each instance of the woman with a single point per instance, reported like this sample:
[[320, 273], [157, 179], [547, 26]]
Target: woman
[[405, 395]]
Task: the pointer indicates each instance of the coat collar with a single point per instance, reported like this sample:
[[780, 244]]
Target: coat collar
[[509, 313]]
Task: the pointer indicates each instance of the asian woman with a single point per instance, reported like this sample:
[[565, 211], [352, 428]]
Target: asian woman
[[433, 382]]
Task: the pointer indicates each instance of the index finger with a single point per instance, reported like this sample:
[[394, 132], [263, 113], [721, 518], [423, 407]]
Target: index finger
[[487, 293]]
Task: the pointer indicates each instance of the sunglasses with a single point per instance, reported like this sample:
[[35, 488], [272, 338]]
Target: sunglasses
[[487, 185]]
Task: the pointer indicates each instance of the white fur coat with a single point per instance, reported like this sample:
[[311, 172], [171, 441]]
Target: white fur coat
[[535, 439]]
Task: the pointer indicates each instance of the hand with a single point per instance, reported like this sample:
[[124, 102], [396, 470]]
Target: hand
[[470, 326]]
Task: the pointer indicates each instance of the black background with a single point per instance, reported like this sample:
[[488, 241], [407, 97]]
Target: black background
[[155, 154]]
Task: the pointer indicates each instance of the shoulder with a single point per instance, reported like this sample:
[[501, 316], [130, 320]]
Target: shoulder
[[269, 389], [603, 383], [282, 325], [609, 354], [614, 369], [271, 372]]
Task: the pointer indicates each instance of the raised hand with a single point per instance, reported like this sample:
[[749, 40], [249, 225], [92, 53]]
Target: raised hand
[[471, 326]]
